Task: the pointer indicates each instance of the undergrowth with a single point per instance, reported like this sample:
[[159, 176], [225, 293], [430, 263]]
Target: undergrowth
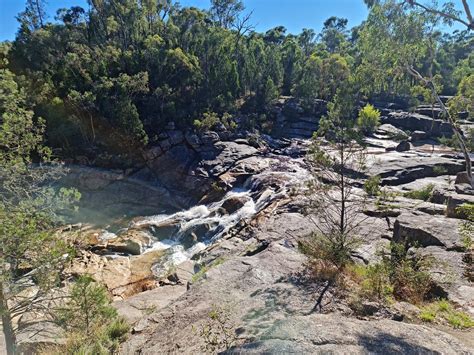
[[401, 275], [443, 311], [424, 193]]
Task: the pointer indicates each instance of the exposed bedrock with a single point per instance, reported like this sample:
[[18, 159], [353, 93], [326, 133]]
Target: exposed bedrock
[[418, 122]]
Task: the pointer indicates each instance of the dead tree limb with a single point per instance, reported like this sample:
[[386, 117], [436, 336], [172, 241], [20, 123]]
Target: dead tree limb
[[457, 131], [469, 23]]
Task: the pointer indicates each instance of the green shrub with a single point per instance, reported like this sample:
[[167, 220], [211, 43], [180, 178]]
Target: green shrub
[[376, 284], [228, 122], [440, 170], [372, 186], [459, 320], [210, 119], [409, 273], [467, 210], [117, 330], [368, 119], [207, 122], [329, 253], [427, 315], [443, 310], [410, 281], [92, 324], [424, 194], [443, 305], [399, 275]]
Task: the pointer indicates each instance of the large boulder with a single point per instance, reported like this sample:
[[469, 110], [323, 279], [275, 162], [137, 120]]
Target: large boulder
[[391, 131], [37, 337], [428, 110], [417, 122], [403, 146], [209, 138], [464, 189], [396, 169], [123, 276], [301, 133], [418, 136], [234, 203], [307, 127], [138, 306], [153, 152], [134, 242], [427, 230], [450, 272], [193, 140], [295, 121], [462, 178], [391, 103], [230, 153], [172, 169], [454, 201]]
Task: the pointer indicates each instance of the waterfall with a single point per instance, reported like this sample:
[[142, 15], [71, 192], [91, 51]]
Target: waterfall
[[194, 229], [183, 234]]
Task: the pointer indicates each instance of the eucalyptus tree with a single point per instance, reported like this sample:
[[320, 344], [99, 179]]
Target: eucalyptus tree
[[334, 34], [398, 43], [292, 56], [307, 41], [31, 254], [226, 12], [34, 16], [321, 76], [446, 11]]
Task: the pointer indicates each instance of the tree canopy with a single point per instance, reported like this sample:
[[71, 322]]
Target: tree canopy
[[120, 70]]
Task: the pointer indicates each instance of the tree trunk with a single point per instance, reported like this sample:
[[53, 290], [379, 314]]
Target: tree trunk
[[460, 137], [10, 340], [39, 11], [343, 195]]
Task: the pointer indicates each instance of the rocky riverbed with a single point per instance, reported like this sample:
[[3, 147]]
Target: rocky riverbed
[[253, 269], [213, 220]]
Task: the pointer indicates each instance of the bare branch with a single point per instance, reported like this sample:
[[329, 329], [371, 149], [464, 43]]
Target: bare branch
[[469, 25]]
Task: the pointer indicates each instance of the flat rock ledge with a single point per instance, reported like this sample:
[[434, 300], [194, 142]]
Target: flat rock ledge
[[331, 333]]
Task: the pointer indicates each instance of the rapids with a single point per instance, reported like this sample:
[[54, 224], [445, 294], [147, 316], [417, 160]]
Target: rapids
[[183, 234]]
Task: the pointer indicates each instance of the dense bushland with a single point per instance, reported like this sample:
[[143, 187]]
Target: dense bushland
[[120, 70]]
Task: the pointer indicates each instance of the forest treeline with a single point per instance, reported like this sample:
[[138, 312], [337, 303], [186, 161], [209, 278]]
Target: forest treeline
[[128, 67]]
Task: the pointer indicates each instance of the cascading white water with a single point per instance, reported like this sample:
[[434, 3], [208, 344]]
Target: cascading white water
[[212, 219], [207, 223], [183, 234], [186, 221]]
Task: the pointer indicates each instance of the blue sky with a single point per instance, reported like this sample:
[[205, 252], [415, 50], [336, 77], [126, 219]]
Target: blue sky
[[293, 14]]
